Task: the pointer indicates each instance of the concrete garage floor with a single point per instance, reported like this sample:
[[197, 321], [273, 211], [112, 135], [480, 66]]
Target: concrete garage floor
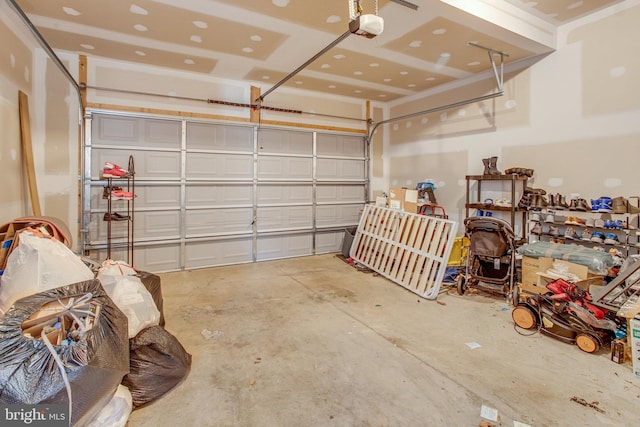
[[315, 342]]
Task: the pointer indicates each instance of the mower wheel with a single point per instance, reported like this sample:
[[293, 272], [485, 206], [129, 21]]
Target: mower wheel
[[461, 281], [587, 343], [524, 317]]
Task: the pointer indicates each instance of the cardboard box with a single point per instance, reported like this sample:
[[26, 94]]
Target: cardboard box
[[531, 267], [535, 280], [403, 199], [530, 288]]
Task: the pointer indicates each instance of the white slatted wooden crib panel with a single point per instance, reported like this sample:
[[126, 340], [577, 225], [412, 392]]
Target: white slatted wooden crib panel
[[409, 249]]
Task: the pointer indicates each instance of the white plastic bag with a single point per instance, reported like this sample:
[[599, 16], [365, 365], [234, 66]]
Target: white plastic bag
[[117, 268], [116, 412], [133, 299], [39, 264]]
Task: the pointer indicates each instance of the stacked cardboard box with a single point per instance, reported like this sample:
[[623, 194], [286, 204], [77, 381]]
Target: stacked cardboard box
[[535, 279], [403, 199]]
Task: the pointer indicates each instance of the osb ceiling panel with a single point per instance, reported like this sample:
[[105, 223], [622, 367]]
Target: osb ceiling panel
[[426, 42], [126, 52], [323, 85], [562, 11], [263, 41]]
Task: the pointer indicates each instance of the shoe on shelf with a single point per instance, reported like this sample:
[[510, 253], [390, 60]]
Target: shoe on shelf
[[115, 216], [107, 191], [605, 205], [552, 201], [586, 234], [597, 237], [561, 202], [621, 205], [619, 224], [569, 220], [599, 223], [111, 170], [121, 195], [570, 233], [536, 216], [595, 205], [573, 205], [550, 218], [553, 230], [583, 206], [536, 229], [590, 222], [611, 239]]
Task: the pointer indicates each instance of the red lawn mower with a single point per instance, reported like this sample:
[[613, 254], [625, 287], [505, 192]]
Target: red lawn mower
[[567, 314]]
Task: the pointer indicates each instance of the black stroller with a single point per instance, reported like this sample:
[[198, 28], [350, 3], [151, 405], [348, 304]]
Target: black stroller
[[491, 258]]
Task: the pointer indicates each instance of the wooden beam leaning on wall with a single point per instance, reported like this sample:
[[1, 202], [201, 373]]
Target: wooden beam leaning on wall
[[27, 151]]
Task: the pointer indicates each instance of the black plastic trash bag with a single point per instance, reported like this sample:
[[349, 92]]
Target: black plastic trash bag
[[153, 284], [158, 364], [94, 365]]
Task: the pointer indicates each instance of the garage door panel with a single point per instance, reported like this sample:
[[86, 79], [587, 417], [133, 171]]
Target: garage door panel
[[292, 168], [284, 217], [218, 195], [340, 169], [98, 228], [275, 247], [340, 193], [157, 258], [272, 194], [162, 224], [148, 165], [206, 136], [215, 221], [208, 193], [218, 252], [338, 215], [329, 242], [147, 225], [281, 141], [340, 145], [133, 131], [219, 166], [162, 133], [147, 196], [157, 196]]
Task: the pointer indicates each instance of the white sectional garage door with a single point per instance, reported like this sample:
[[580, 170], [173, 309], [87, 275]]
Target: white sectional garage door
[[211, 194]]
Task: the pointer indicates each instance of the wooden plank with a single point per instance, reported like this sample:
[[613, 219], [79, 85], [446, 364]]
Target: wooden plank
[[380, 218], [402, 251], [420, 241], [164, 112], [365, 228], [406, 263], [27, 151], [387, 268], [254, 116], [374, 245], [119, 108], [82, 79], [435, 248], [392, 228]]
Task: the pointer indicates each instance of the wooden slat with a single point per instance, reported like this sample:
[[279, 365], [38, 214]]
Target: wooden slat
[[27, 151], [409, 249], [254, 115]]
